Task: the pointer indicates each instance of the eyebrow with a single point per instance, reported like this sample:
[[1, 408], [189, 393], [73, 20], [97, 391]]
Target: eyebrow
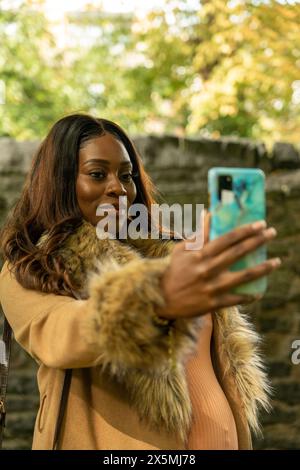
[[106, 162]]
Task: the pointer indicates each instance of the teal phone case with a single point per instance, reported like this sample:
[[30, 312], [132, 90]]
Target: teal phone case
[[244, 205]]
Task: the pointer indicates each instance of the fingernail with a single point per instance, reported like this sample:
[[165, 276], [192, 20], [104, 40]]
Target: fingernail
[[271, 232], [254, 297], [276, 262], [259, 224]]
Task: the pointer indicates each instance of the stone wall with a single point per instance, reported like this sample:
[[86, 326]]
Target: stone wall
[[179, 169]]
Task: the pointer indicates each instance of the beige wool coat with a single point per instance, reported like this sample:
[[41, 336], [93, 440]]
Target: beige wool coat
[[125, 391]]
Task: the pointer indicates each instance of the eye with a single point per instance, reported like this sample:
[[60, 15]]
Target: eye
[[127, 177], [98, 175]]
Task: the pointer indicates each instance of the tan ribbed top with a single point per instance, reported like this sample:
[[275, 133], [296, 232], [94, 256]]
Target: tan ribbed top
[[213, 424]]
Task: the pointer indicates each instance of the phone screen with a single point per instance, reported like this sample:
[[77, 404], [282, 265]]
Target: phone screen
[[237, 197]]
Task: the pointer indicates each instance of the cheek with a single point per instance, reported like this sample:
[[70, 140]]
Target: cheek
[[132, 193], [87, 192]]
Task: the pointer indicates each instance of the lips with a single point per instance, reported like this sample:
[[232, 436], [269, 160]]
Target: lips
[[108, 206]]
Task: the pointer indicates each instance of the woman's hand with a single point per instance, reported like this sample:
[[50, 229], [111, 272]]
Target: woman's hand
[[198, 281]]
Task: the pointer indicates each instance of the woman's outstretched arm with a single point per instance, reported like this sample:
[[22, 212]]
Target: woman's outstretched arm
[[115, 327]]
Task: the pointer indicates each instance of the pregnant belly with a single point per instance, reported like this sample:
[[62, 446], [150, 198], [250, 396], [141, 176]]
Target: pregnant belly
[[213, 425]]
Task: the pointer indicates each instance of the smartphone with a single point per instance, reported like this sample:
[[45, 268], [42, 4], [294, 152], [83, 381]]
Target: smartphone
[[237, 197]]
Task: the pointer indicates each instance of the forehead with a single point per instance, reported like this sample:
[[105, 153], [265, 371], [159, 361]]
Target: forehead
[[106, 147]]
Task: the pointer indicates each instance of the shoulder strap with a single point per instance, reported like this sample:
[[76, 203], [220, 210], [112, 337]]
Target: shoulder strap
[[62, 407], [63, 398], [5, 348]]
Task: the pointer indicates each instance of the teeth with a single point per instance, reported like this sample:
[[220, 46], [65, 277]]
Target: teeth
[[108, 208]]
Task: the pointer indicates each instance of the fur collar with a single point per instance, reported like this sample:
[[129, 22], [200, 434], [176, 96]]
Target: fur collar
[[121, 281]]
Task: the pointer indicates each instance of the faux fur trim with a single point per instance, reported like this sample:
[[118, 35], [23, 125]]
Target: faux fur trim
[[134, 348], [121, 280], [162, 399], [241, 358], [123, 299]]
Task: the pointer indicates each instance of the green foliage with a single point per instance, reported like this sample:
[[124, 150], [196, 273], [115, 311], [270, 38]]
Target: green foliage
[[213, 67], [32, 73], [248, 59]]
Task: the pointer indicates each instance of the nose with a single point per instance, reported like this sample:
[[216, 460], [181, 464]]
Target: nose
[[115, 187]]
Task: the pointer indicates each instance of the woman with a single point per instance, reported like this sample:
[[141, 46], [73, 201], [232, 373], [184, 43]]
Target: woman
[[160, 356]]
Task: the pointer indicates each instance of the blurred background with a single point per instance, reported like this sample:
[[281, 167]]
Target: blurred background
[[196, 84], [188, 67]]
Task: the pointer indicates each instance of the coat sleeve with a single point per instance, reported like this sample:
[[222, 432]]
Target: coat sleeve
[[113, 328]]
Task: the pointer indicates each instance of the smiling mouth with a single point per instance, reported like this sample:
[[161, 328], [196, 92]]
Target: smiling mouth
[[109, 207]]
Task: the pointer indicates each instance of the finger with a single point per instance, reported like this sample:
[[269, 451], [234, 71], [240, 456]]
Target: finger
[[229, 279], [207, 216], [218, 263], [214, 247], [230, 300], [196, 241]]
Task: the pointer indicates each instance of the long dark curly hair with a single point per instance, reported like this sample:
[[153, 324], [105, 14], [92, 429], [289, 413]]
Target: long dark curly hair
[[48, 202]]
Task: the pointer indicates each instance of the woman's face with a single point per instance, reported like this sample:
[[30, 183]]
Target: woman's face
[[104, 174]]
